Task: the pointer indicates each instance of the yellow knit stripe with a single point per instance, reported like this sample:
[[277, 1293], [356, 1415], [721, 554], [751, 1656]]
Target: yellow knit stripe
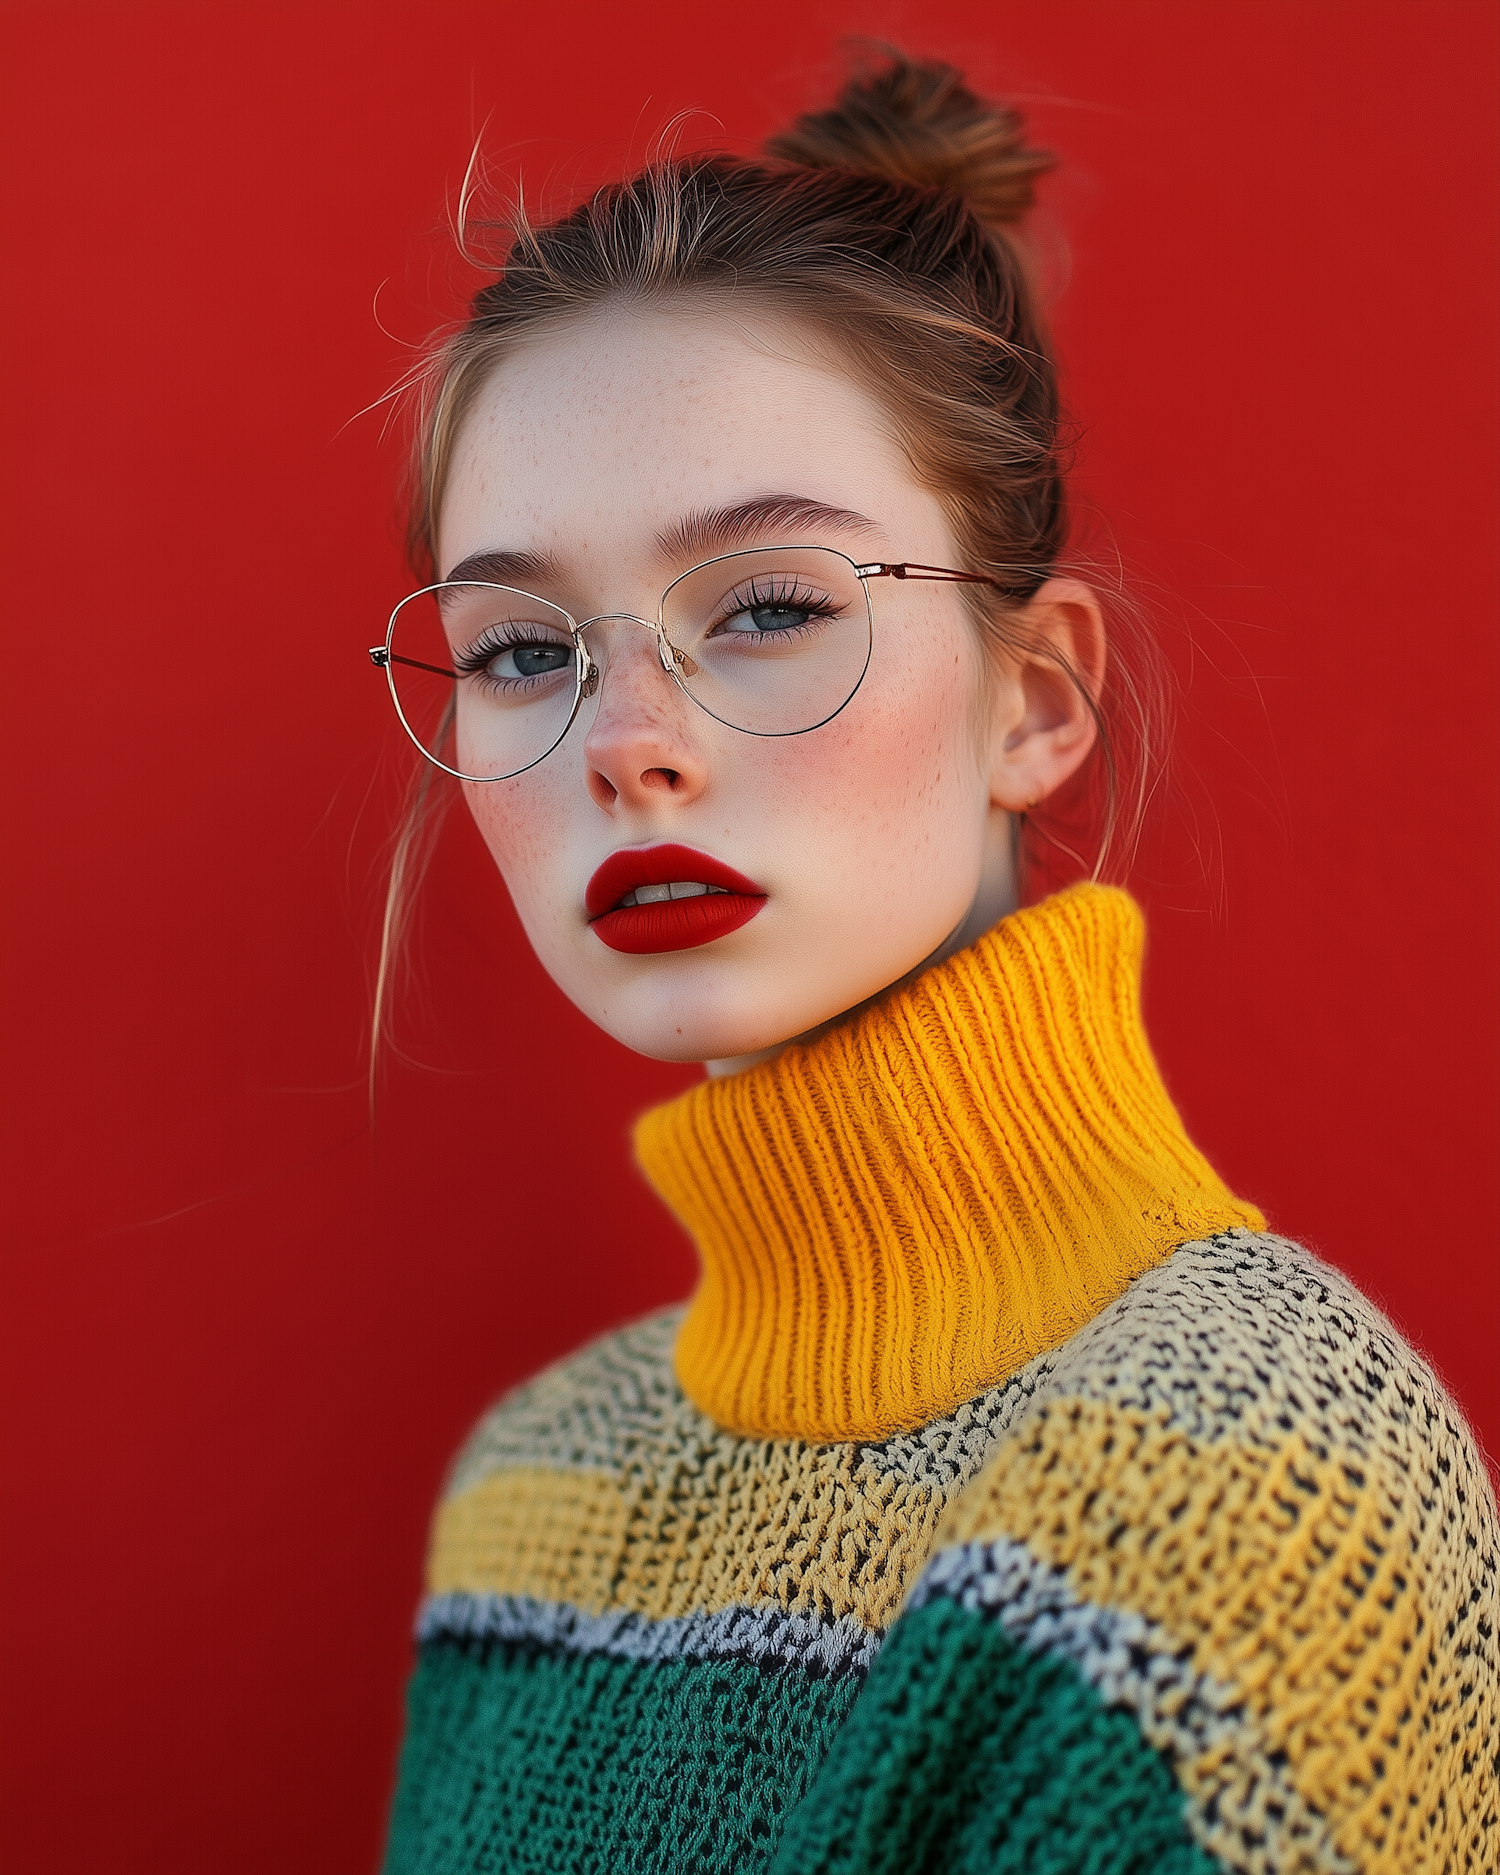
[[556, 1535], [896, 1215], [800, 1535], [1319, 1586]]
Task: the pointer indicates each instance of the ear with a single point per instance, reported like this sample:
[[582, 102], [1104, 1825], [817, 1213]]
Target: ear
[[1041, 727]]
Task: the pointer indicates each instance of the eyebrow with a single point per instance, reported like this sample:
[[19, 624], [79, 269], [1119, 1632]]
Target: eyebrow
[[720, 530], [696, 536], [501, 567]]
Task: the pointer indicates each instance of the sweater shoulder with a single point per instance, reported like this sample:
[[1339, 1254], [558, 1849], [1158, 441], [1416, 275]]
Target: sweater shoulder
[[1246, 1372], [585, 1411], [616, 1405], [1247, 1335], [602, 1486]]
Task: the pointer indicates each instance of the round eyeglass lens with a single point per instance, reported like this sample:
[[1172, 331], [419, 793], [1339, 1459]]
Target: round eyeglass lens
[[774, 640], [486, 679]]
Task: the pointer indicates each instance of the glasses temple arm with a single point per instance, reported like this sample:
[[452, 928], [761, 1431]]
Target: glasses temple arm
[[380, 658], [909, 570]]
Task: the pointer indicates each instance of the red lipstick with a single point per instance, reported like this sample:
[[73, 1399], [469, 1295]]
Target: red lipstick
[[710, 899]]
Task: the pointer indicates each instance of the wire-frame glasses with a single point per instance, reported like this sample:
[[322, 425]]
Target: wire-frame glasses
[[774, 641]]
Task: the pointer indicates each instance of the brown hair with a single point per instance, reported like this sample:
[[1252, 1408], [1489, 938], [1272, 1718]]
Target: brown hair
[[884, 224]]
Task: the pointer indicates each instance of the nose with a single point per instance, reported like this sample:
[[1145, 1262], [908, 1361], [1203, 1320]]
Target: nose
[[642, 747]]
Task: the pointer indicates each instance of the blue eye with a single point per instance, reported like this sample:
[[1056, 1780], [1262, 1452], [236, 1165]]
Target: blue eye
[[766, 613], [532, 660], [768, 618], [514, 654]]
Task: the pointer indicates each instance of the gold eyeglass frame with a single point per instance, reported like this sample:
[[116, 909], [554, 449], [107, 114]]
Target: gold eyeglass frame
[[673, 662]]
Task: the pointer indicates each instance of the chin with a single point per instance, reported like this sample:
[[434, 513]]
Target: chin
[[694, 1009], [685, 1035]]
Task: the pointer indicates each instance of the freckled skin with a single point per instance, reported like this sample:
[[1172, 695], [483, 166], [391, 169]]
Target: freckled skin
[[873, 836]]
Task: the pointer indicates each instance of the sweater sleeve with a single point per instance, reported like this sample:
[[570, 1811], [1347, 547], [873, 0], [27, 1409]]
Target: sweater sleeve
[[1224, 1600]]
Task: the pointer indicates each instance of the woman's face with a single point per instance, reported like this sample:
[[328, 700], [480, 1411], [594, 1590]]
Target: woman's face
[[615, 454]]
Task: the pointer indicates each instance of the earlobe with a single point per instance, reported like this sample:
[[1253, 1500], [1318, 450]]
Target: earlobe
[[1045, 720]]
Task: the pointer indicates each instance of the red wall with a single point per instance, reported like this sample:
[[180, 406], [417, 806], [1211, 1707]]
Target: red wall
[[242, 1336]]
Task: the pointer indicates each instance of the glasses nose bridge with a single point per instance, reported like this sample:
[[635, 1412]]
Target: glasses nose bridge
[[652, 625], [624, 618]]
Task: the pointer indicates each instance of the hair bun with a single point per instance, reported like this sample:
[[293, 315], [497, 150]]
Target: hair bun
[[915, 120]]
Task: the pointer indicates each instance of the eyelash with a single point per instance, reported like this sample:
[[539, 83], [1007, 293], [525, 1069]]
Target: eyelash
[[473, 659], [793, 598]]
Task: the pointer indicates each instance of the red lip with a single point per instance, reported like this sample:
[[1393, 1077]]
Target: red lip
[[678, 924]]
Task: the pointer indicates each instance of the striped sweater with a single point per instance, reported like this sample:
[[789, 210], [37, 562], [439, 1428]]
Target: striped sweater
[[1199, 1576]]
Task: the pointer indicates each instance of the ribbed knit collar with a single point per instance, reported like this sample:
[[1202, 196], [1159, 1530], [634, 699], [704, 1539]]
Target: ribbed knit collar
[[898, 1214]]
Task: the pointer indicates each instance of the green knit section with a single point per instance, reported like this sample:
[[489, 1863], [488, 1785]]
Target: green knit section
[[968, 1756], [963, 1754], [518, 1759]]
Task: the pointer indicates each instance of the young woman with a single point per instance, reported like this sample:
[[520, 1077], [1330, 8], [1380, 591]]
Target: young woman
[[1005, 1498]]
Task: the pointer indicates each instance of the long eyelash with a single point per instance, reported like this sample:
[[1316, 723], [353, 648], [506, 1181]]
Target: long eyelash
[[490, 643], [783, 595], [779, 595]]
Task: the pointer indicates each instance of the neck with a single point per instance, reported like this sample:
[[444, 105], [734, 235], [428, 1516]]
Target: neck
[[895, 1215], [996, 897]]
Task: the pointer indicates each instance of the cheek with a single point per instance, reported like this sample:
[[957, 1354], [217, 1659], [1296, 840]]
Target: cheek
[[916, 732], [892, 781], [520, 822]]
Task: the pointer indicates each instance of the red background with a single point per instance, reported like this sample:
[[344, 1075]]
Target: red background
[[242, 1337]]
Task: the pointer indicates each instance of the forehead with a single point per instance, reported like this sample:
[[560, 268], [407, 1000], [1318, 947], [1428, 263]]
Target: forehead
[[599, 436]]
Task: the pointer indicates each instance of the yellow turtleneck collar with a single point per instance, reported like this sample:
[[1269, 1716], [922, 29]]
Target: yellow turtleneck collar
[[898, 1214]]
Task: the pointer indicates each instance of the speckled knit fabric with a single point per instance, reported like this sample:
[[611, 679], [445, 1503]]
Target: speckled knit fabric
[[1209, 1584]]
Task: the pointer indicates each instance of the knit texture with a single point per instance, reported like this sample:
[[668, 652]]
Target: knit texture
[[1244, 1513], [1207, 1583], [898, 1213]]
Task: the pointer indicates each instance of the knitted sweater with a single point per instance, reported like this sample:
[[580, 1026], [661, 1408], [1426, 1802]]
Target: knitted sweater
[[1005, 1499]]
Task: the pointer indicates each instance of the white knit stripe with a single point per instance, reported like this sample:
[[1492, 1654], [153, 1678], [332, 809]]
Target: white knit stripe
[[766, 1638], [617, 1406]]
